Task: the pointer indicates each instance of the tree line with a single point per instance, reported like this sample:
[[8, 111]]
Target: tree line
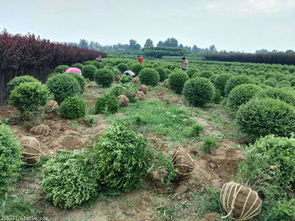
[[135, 46]]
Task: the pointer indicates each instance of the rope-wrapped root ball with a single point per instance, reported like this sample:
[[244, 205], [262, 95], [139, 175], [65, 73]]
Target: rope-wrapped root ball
[[51, 106], [183, 163], [117, 77], [41, 129], [143, 88], [140, 95], [135, 80], [32, 151], [239, 201], [123, 100]]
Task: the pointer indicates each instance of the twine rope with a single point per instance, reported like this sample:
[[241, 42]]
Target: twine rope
[[226, 192]]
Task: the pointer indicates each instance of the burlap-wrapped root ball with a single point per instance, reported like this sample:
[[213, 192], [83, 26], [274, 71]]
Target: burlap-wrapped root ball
[[135, 80], [32, 152], [117, 77], [183, 163], [143, 88], [239, 201], [140, 95], [123, 100], [51, 106], [41, 129]]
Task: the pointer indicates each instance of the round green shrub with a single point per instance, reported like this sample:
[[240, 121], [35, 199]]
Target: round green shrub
[[220, 82], [122, 67], [61, 68], [88, 71], [136, 68], [287, 96], [284, 83], [192, 71], [63, 86], [104, 77], [78, 65], [19, 80], [235, 81], [242, 94], [118, 90], [87, 63], [73, 108], [106, 104], [122, 157], [162, 73], [270, 159], [149, 76], [125, 79], [81, 80], [71, 178], [29, 96], [177, 79], [97, 64], [205, 74], [53, 74], [261, 117], [198, 91], [10, 158], [270, 82]]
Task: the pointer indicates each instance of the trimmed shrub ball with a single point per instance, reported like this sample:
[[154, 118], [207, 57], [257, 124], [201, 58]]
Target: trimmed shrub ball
[[118, 90], [71, 178], [108, 104], [198, 91], [78, 65], [136, 68], [287, 96], [73, 108], [73, 70], [162, 72], [149, 76], [235, 81], [61, 68], [11, 158], [122, 67], [30, 96], [63, 86], [125, 79], [88, 71], [81, 80], [261, 117], [19, 80], [284, 83], [53, 74], [220, 82], [265, 153], [242, 94], [191, 72], [122, 157], [104, 77], [177, 79]]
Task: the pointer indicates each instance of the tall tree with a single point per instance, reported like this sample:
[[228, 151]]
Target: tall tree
[[83, 43], [212, 48], [134, 46], [149, 43]]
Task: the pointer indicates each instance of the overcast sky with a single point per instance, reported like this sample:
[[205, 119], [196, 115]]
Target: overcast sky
[[243, 25]]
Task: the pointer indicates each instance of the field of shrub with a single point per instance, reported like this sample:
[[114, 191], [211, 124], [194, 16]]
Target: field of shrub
[[101, 145]]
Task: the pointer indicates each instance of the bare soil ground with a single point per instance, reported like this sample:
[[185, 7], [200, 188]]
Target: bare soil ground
[[210, 169]]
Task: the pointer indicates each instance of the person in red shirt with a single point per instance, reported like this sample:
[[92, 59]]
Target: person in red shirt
[[139, 59]]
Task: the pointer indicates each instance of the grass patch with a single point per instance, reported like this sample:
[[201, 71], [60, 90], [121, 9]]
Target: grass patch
[[159, 118], [14, 207]]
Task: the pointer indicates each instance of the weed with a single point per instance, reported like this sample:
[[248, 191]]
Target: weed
[[210, 143]]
